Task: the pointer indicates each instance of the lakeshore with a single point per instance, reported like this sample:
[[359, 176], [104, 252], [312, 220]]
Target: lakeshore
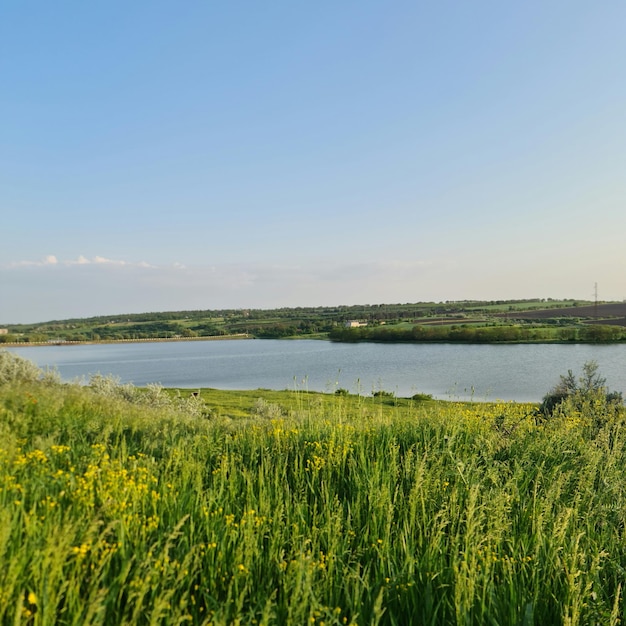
[[18, 344]]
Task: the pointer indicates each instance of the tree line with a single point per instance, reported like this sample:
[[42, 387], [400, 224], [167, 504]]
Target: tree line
[[479, 334]]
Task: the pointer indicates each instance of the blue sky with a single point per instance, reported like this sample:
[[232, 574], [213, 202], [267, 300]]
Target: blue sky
[[165, 156]]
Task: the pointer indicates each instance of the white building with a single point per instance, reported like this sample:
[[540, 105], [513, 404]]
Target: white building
[[354, 324]]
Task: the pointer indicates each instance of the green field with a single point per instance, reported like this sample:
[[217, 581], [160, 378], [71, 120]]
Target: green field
[[127, 506]]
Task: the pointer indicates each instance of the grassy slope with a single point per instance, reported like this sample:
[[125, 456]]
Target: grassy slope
[[304, 508]]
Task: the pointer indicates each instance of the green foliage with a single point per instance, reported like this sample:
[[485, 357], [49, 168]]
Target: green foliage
[[207, 329], [146, 330], [586, 395], [383, 394], [599, 333], [422, 397], [448, 333], [487, 332], [304, 508]]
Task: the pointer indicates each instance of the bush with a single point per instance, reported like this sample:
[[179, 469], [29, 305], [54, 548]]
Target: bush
[[15, 369], [421, 397], [384, 394], [586, 395], [267, 410], [153, 395]]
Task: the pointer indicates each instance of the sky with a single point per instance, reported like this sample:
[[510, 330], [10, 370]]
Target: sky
[[159, 155]]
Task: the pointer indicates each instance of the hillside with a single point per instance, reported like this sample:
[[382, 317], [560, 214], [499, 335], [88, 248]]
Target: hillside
[[312, 322]]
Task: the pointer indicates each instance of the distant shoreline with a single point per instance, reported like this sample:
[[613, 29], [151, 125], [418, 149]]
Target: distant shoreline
[[238, 336], [18, 344]]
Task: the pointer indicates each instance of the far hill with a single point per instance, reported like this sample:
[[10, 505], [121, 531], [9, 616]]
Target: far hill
[[492, 321]]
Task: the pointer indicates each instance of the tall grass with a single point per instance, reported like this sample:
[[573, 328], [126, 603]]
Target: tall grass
[[323, 510]]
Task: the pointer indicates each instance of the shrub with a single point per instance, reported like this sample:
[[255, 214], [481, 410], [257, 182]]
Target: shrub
[[15, 369], [153, 395], [586, 395], [267, 410], [384, 394], [421, 397]]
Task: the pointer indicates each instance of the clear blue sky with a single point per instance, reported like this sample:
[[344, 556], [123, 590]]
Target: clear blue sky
[[195, 155]]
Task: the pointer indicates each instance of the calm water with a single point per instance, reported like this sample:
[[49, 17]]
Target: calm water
[[449, 371]]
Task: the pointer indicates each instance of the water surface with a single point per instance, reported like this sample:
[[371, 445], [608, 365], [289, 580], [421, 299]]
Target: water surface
[[520, 372]]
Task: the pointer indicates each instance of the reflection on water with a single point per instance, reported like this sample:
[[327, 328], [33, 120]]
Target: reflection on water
[[522, 372]]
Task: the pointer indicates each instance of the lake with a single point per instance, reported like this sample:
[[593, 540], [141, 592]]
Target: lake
[[519, 372]]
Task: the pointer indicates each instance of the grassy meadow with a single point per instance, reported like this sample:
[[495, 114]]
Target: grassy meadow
[[127, 506]]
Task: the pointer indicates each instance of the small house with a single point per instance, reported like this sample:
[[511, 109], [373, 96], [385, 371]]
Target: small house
[[354, 324]]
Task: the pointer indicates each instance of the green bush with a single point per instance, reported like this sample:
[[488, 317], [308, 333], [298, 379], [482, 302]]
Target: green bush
[[586, 395], [421, 397], [384, 394]]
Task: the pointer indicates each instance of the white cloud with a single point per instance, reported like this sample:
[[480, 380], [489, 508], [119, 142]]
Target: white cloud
[[52, 260], [104, 261], [49, 259]]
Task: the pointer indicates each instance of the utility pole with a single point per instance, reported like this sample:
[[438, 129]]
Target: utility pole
[[595, 293]]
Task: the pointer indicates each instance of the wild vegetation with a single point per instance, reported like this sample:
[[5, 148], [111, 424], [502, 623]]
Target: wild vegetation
[[467, 321], [493, 333], [127, 506], [586, 395]]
